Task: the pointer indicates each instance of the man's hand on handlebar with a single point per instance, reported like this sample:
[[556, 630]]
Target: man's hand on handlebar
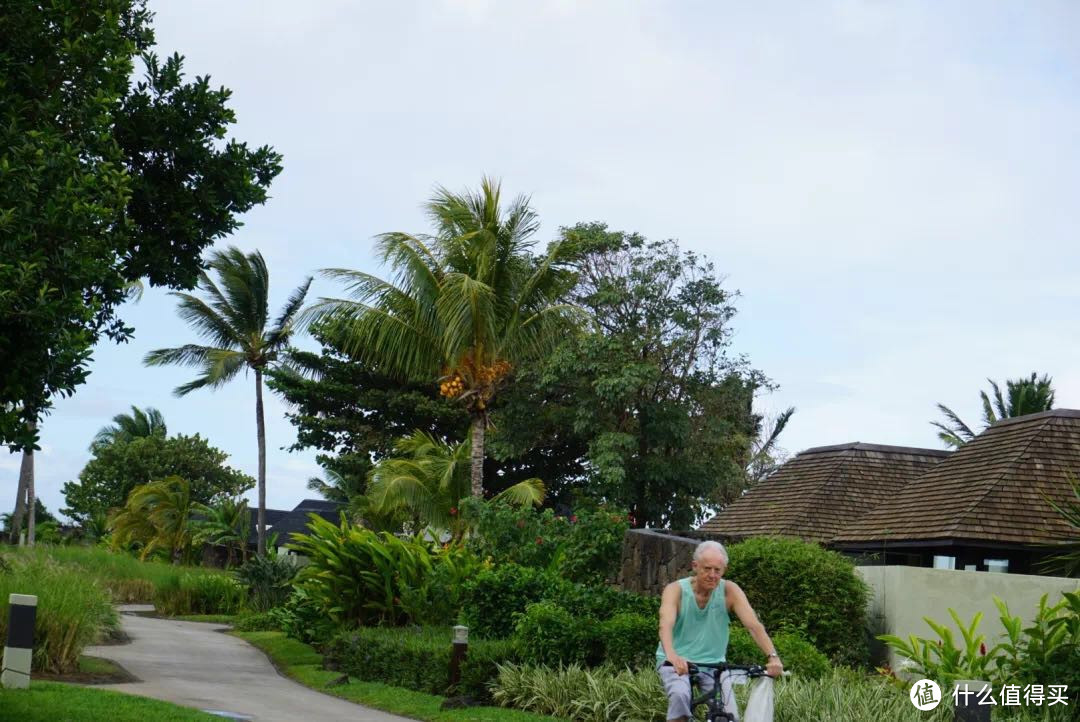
[[774, 667], [679, 664]]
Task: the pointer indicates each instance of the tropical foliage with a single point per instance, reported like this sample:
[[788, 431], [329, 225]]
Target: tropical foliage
[[467, 305], [137, 425], [1022, 396], [157, 516], [225, 523], [1066, 560], [234, 318], [428, 480], [358, 576]]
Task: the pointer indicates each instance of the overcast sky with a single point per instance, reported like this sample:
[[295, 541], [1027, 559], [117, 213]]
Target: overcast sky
[[892, 187]]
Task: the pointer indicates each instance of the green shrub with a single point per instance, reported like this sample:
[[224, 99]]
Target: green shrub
[[303, 618], [798, 655], [584, 547], [418, 658], [357, 575], [548, 634], [257, 622], [439, 597], [126, 578], [493, 597], [268, 580], [73, 608], [630, 640], [199, 594], [798, 586]]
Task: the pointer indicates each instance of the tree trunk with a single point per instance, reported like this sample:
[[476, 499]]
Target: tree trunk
[[26, 476], [31, 507], [261, 426], [478, 429]]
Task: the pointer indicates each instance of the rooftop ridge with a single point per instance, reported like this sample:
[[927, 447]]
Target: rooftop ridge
[[884, 448], [1059, 413]]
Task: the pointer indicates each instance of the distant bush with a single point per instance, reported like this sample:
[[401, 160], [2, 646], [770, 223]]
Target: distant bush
[[493, 597], [302, 617], [200, 594], [630, 640], [268, 580], [799, 586], [798, 655], [419, 659], [257, 622], [548, 634], [583, 547]]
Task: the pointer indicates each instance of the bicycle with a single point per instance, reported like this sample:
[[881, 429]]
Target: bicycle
[[713, 699]]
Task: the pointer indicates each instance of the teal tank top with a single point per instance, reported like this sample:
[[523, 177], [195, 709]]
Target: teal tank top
[[700, 635]]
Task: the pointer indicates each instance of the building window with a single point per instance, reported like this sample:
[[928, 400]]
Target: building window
[[997, 565], [941, 562]]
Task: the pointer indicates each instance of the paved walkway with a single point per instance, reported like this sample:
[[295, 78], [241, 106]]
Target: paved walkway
[[194, 664]]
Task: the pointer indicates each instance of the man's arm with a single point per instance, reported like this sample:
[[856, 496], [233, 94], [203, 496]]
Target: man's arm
[[669, 610], [737, 602]]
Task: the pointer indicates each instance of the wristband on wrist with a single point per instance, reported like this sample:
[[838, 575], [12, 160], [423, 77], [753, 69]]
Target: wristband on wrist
[[772, 654]]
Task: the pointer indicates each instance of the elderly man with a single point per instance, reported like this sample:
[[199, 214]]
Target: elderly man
[[694, 614]]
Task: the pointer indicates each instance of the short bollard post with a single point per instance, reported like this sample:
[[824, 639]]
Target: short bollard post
[[19, 648], [457, 653], [967, 707]]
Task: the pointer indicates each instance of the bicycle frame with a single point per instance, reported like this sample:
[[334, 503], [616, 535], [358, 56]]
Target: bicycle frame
[[713, 699]]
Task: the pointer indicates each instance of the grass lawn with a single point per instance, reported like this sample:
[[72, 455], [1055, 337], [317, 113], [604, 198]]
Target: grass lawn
[[56, 702], [303, 664]]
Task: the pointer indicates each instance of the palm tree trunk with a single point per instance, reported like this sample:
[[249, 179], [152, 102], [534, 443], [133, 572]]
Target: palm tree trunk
[[26, 477], [478, 429], [261, 426]]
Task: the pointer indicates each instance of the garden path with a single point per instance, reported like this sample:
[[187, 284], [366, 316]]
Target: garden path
[[194, 664]]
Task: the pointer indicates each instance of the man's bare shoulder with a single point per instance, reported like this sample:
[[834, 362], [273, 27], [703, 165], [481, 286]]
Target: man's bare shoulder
[[672, 590]]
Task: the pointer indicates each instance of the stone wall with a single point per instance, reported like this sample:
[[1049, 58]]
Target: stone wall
[[650, 560]]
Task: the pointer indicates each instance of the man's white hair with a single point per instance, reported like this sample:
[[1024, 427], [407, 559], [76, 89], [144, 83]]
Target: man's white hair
[[710, 545]]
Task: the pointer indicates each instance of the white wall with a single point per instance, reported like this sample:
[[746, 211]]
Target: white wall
[[901, 596]]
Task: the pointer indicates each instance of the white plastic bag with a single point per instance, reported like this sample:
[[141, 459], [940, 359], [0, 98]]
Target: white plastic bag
[[759, 708]]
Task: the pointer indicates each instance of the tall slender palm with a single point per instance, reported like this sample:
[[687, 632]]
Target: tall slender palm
[[427, 479], [1022, 396], [234, 318], [465, 305], [136, 425]]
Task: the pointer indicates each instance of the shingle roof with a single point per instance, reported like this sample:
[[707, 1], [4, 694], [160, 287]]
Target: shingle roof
[[823, 490], [991, 489]]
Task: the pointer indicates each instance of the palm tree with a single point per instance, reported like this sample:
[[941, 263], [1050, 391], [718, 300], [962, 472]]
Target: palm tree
[[138, 424], [765, 456], [1022, 396], [226, 524], [157, 515], [466, 305], [234, 319], [427, 479], [337, 486]]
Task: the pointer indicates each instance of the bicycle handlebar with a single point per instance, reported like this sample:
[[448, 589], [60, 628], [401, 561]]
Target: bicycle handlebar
[[751, 670]]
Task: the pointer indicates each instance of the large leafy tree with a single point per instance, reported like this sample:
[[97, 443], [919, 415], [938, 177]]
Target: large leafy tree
[[662, 414], [136, 425], [1022, 396], [467, 305], [115, 469], [234, 318], [102, 181]]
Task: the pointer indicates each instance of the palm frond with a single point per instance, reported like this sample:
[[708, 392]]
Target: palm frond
[[530, 492], [290, 319], [207, 321]]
